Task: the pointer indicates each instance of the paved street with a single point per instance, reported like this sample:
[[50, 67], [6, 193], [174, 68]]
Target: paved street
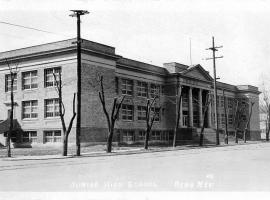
[[232, 168]]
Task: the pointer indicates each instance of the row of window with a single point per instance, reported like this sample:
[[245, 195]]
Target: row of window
[[128, 112], [129, 135], [141, 87], [30, 108], [230, 118], [230, 101], [49, 136], [51, 109], [30, 79], [54, 136]]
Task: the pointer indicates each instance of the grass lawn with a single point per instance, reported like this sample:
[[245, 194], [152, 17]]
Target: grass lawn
[[57, 150]]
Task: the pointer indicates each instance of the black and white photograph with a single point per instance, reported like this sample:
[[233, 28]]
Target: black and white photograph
[[133, 99]]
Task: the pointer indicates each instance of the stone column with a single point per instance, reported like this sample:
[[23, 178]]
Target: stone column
[[200, 107], [190, 108], [209, 111]]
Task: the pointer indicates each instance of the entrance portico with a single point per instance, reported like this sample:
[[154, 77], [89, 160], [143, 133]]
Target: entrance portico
[[192, 107]]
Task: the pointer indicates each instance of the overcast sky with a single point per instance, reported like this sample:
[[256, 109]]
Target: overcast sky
[[154, 31]]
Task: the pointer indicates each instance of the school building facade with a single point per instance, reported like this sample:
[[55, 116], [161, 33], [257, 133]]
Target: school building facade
[[36, 100]]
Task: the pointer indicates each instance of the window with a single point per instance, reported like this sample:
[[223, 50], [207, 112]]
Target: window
[[127, 112], [243, 101], [51, 107], [154, 90], [29, 136], [223, 119], [52, 136], [185, 100], [230, 119], [221, 100], [14, 113], [230, 103], [155, 111], [128, 136], [165, 135], [8, 82], [244, 118], [29, 80], [142, 89], [30, 109], [196, 117], [162, 89], [141, 112], [156, 135], [141, 135], [49, 78], [127, 87]]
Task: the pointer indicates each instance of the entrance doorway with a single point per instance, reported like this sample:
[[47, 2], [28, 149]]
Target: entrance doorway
[[185, 118]]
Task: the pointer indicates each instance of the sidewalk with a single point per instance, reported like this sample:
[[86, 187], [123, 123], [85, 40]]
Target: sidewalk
[[126, 151]]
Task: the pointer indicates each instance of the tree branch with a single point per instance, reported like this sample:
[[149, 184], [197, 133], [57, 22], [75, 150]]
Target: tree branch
[[119, 106], [74, 115]]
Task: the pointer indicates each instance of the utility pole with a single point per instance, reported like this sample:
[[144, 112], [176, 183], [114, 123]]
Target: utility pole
[[78, 13], [214, 49]]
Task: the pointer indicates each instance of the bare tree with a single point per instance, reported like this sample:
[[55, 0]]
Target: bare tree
[[178, 115], [226, 138], [265, 110], [248, 122], [12, 75], [151, 113], [236, 121], [240, 110], [111, 119], [206, 105], [62, 111]]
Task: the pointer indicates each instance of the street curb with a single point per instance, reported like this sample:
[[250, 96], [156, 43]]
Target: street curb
[[124, 152]]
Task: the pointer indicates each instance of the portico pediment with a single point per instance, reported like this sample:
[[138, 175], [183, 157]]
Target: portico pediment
[[198, 72]]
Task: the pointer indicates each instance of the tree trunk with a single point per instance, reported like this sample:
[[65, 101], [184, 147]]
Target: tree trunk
[[65, 144], [109, 140], [236, 137], [147, 134], [8, 144], [174, 137], [268, 128], [201, 137], [267, 135], [245, 136]]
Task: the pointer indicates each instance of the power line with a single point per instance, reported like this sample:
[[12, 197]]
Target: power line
[[30, 28]]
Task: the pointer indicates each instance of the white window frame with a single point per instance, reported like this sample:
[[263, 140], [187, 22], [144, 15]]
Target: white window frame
[[29, 136], [32, 78], [141, 113], [156, 135], [153, 111], [30, 111], [49, 80], [154, 90], [54, 108], [128, 136], [127, 87], [8, 82], [127, 112], [142, 89], [230, 119], [141, 135], [54, 136]]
